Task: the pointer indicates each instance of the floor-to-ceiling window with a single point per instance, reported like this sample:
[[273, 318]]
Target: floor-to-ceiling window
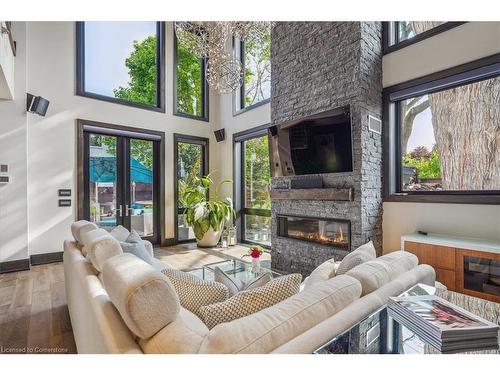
[[191, 160], [120, 178], [252, 186]]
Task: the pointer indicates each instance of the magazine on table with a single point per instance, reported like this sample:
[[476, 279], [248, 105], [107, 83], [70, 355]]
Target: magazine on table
[[442, 318]]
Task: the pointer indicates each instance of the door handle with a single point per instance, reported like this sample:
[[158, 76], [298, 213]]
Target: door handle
[[127, 210], [118, 211]]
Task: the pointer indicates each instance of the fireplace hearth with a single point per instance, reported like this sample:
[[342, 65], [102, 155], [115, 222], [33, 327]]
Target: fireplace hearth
[[329, 232]]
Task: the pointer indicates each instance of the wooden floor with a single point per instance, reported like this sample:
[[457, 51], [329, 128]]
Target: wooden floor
[[34, 315]]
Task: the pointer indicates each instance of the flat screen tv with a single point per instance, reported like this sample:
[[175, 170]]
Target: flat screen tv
[[317, 144]]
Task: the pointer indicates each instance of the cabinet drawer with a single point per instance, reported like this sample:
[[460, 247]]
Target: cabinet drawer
[[434, 255], [446, 277]]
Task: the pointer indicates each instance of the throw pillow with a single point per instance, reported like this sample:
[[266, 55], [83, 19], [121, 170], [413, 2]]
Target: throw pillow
[[120, 233], [323, 272], [133, 244], [194, 292], [249, 302], [235, 285], [362, 254]]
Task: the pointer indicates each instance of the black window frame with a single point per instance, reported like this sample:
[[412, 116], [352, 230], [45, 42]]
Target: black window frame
[[239, 183], [205, 143], [160, 71], [475, 71], [204, 92], [390, 32], [241, 91]]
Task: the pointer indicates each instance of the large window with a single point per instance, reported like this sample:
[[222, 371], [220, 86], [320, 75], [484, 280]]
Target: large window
[[121, 62], [191, 91], [255, 57], [443, 134], [191, 160], [399, 34], [254, 177]]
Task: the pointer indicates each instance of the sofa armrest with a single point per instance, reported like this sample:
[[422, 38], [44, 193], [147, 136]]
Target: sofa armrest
[[149, 247]]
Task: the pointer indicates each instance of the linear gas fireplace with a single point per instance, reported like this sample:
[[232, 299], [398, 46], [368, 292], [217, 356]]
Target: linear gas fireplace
[[329, 232]]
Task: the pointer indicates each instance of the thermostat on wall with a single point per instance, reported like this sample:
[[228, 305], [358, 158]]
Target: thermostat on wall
[[4, 179]]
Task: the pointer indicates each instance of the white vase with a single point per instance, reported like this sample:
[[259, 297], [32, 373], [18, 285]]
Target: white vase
[[210, 238], [256, 265]]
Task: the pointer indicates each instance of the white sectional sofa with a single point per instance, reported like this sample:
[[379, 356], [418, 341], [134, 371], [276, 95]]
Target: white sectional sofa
[[138, 311]]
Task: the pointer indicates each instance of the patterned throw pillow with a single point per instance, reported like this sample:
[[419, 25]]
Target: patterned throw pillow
[[251, 301], [235, 285], [361, 255], [194, 292]]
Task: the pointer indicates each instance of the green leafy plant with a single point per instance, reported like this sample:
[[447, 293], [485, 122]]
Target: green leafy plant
[[202, 212], [427, 166]]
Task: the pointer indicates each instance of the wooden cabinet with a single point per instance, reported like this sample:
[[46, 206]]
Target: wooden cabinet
[[463, 270], [441, 258]]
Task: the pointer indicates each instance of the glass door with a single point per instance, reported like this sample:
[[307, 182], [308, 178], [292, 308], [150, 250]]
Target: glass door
[[191, 160], [121, 180]]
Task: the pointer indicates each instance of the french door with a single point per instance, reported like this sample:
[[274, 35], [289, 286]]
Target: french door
[[190, 160], [120, 178]]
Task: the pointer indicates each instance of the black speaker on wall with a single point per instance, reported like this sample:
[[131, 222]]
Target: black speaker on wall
[[220, 134], [37, 104], [273, 130]]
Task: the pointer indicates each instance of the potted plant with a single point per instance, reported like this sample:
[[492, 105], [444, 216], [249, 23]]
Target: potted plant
[[205, 215]]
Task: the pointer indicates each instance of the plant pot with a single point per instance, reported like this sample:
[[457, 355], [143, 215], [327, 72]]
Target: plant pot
[[210, 238]]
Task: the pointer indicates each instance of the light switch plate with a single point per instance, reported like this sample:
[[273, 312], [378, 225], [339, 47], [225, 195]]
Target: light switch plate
[[4, 168]]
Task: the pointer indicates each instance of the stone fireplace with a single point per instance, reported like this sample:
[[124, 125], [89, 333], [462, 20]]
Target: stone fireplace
[[319, 67]]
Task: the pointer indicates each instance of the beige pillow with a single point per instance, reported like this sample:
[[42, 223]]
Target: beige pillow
[[249, 302], [194, 292], [145, 299], [361, 255], [323, 272], [235, 285]]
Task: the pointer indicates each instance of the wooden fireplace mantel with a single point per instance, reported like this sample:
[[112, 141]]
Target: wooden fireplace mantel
[[326, 194]]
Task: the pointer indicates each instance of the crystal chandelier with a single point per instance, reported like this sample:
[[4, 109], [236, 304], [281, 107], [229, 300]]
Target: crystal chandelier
[[207, 39]]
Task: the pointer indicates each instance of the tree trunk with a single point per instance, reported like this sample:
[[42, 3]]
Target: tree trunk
[[466, 123]]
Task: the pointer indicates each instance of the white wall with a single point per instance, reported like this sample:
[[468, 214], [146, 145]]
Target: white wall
[[13, 196], [51, 143], [459, 45]]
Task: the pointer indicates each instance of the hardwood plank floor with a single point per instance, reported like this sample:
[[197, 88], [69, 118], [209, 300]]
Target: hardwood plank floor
[[34, 316]]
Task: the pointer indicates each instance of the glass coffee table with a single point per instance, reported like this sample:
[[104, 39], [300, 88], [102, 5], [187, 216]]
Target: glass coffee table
[[380, 334], [238, 269]]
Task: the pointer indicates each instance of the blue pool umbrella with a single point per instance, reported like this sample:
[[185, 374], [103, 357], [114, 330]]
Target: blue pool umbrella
[[103, 169]]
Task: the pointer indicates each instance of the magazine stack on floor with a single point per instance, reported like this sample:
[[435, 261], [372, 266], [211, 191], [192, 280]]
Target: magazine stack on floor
[[443, 325]]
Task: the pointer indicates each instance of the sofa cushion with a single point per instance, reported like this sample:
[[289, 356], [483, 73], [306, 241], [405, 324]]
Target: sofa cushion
[[89, 236], [399, 262], [133, 244], [362, 254], [323, 272], [194, 292], [251, 301], [100, 248], [272, 327], [120, 233], [372, 275], [145, 298], [235, 285], [78, 228]]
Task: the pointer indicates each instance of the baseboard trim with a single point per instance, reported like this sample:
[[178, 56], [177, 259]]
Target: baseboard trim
[[38, 259], [15, 266], [168, 242]]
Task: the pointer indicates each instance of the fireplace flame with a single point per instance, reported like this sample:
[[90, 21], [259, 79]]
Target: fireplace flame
[[341, 237]]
